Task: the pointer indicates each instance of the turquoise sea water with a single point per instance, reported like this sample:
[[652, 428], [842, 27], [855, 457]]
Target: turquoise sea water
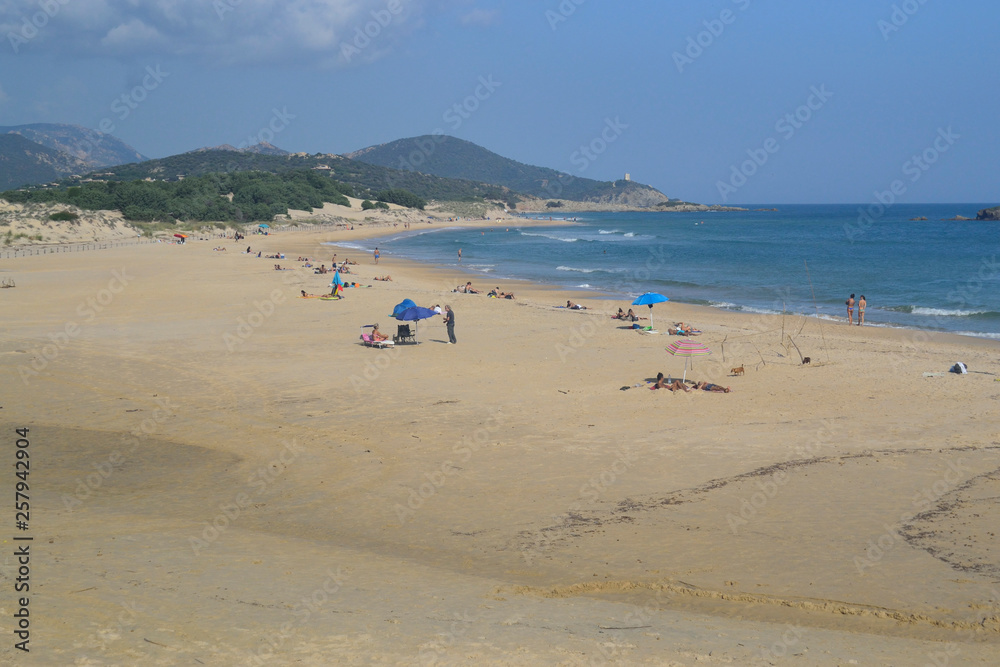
[[805, 259]]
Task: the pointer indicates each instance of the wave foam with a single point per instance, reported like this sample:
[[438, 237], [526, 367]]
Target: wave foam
[[549, 236]]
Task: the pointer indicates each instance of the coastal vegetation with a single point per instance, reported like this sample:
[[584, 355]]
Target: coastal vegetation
[[366, 180], [244, 196]]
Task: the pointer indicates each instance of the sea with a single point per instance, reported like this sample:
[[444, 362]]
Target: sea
[[936, 274]]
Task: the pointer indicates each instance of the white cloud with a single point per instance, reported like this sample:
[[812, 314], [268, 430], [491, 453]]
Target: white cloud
[[220, 31], [481, 17]]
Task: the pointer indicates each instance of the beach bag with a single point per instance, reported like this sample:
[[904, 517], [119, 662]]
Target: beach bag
[[959, 368]]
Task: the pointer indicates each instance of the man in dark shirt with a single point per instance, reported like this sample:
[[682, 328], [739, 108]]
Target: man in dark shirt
[[449, 320]]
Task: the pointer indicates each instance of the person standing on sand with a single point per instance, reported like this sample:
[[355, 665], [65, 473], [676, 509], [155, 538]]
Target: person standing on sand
[[850, 310], [861, 310], [376, 254], [449, 321]]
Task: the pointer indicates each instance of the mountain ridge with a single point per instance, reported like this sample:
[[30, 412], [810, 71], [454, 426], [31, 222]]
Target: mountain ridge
[[96, 149], [450, 157]]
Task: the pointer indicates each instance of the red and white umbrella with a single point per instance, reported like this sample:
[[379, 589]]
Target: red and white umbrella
[[688, 349]]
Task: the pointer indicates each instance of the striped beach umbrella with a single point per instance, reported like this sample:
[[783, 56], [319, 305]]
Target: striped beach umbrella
[[688, 349]]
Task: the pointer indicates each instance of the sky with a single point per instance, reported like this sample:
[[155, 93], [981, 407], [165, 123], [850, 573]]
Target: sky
[[718, 102]]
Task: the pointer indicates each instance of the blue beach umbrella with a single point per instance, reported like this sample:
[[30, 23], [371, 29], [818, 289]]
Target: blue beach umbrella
[[648, 299], [414, 314], [401, 306], [337, 283]]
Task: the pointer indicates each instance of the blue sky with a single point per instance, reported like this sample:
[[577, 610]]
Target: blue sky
[[728, 101]]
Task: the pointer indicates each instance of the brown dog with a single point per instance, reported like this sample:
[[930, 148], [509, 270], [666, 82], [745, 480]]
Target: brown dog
[[737, 371]]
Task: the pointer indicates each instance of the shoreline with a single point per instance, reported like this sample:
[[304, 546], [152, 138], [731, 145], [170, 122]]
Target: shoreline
[[601, 295]]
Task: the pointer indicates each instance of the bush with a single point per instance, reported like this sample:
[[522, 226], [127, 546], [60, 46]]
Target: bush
[[554, 204], [367, 205], [64, 216], [401, 197]]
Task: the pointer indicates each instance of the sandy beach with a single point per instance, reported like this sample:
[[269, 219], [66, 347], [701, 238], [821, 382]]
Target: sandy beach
[[222, 475]]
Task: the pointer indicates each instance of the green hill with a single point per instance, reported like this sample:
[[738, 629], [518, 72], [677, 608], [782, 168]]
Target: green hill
[[449, 157], [366, 179]]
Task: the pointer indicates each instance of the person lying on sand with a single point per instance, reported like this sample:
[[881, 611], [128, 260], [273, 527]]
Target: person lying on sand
[[683, 329], [219, 249], [383, 278], [575, 306], [307, 296], [708, 386], [663, 383]]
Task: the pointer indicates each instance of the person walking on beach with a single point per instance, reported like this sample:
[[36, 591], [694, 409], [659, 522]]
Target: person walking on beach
[[376, 254], [449, 320], [861, 310], [850, 310]]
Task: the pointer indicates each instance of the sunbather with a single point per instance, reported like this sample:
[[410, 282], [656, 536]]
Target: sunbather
[[378, 335], [620, 315], [664, 383], [708, 386], [575, 306]]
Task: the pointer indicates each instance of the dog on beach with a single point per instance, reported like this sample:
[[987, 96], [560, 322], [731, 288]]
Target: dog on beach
[[737, 371], [806, 360]]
